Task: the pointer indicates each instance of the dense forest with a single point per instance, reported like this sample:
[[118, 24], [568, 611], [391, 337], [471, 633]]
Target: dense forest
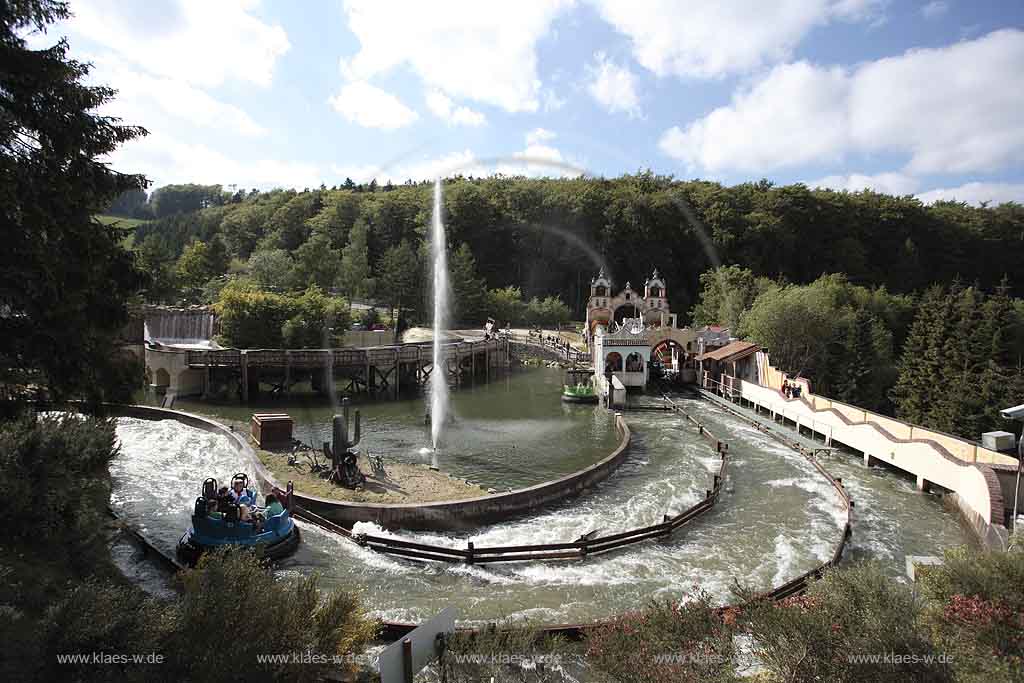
[[549, 236]]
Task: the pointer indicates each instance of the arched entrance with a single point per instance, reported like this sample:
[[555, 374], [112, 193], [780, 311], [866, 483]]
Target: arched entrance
[[613, 362], [634, 363], [626, 311]]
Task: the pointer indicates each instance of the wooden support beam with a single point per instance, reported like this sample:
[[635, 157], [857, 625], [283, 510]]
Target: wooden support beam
[[245, 376]]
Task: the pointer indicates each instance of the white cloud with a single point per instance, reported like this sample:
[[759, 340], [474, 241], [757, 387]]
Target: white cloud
[[895, 183], [539, 136], [195, 41], [469, 49], [464, 162], [935, 9], [977, 192], [613, 86], [166, 160], [794, 115], [951, 110], [535, 160], [371, 107], [712, 39], [443, 108], [142, 96]]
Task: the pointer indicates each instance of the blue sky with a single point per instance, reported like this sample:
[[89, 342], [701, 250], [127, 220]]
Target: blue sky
[[909, 97]]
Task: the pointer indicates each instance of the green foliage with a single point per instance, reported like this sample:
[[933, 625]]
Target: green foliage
[[506, 305], [961, 362], [56, 484], [254, 318], [469, 295], [665, 642], [848, 614], [154, 257], [726, 293], [231, 611], [832, 332], [271, 268], [64, 277], [199, 263], [544, 235], [130, 204], [172, 199], [288, 227], [316, 263], [976, 612], [399, 277], [317, 320], [354, 278]]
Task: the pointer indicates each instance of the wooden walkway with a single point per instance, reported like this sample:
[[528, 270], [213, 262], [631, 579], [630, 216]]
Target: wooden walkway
[[379, 370]]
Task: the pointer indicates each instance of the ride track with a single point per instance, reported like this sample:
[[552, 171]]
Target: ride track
[[587, 545], [582, 547]]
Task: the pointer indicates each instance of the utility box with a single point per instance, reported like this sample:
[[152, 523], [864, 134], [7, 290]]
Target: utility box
[[272, 430], [998, 441]]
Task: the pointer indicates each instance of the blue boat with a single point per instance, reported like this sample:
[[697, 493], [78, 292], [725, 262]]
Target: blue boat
[[216, 522]]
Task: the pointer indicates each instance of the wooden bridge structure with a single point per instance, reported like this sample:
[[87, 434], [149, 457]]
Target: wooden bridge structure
[[381, 371]]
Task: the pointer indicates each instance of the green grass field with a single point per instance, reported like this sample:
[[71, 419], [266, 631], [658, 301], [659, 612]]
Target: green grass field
[[121, 221]]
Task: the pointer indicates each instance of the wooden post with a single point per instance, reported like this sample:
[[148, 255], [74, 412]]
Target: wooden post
[[397, 371], [287, 371], [472, 363], [245, 375], [407, 660], [369, 370], [206, 374]]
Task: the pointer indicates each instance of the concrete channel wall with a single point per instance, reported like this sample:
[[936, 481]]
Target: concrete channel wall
[[948, 462]]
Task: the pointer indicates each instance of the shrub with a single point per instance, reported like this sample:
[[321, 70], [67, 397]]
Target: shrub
[[977, 612], [666, 642], [846, 617], [232, 610], [56, 483]]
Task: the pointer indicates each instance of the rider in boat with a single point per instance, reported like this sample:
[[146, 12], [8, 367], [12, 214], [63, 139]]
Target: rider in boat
[[239, 491]]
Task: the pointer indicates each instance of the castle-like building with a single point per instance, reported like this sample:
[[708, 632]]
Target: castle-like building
[[605, 308]]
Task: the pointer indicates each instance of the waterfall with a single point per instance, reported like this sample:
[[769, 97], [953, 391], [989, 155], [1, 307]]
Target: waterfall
[[179, 326], [439, 375]]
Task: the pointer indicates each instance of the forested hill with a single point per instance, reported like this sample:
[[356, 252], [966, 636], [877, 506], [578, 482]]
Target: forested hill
[[546, 235]]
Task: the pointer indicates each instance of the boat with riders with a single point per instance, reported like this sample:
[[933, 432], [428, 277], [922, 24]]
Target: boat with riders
[[229, 517]]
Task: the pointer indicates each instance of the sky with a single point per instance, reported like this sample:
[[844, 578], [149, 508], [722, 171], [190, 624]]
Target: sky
[[901, 96]]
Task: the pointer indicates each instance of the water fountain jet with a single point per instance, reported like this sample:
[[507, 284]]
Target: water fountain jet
[[439, 374]]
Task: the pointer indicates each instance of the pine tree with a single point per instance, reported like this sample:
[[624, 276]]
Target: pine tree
[[468, 291], [859, 361], [915, 386]]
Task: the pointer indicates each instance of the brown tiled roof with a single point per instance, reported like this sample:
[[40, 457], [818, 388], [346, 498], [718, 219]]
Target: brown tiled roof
[[730, 352]]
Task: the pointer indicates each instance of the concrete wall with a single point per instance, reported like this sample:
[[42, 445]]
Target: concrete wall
[[184, 381], [978, 489]]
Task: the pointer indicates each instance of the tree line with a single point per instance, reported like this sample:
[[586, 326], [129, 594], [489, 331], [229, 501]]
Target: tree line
[[550, 236]]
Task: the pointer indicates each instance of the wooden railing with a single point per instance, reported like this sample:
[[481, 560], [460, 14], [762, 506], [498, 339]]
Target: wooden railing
[[318, 358]]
